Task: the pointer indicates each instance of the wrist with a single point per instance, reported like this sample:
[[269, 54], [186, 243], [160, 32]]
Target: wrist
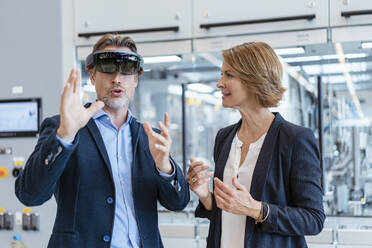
[[205, 197], [206, 201], [256, 212], [166, 167], [66, 136]]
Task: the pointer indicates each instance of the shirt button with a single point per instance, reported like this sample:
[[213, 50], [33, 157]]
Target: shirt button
[[106, 238], [109, 200]]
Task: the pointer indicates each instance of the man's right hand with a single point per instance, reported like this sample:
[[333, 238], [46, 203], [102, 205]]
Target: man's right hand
[[73, 115]]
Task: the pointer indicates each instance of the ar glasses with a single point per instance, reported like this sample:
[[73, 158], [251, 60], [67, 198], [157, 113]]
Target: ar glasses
[[111, 61]]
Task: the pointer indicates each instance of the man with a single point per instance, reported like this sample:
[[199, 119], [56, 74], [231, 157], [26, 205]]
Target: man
[[105, 169]]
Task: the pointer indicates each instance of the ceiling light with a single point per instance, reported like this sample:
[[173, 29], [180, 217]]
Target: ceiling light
[[348, 79], [289, 50], [302, 59], [212, 59], [366, 45], [330, 56], [348, 56], [161, 59], [202, 88], [299, 78], [355, 55]]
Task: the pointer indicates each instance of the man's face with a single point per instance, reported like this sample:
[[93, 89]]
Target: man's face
[[114, 89]]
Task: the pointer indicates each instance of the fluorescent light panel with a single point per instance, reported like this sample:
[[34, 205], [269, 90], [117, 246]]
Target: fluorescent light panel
[[289, 50], [202, 88], [348, 79], [324, 57], [366, 45], [161, 59], [302, 59]]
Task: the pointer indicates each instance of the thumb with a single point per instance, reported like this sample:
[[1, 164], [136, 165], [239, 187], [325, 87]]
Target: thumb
[[192, 159], [237, 184], [95, 107]]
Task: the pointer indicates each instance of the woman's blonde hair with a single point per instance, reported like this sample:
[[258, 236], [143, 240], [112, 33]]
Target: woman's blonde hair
[[259, 69]]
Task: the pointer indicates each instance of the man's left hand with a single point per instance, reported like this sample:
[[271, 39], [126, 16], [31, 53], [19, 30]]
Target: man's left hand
[[160, 145]]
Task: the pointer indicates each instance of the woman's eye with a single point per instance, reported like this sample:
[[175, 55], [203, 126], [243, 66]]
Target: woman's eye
[[226, 74]]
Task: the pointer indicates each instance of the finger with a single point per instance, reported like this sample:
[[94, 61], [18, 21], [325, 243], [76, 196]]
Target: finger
[[65, 90], [159, 139], [220, 202], [196, 163], [164, 130], [222, 194], [192, 166], [161, 148], [198, 169], [202, 180], [198, 183], [76, 82], [201, 171], [199, 175], [71, 76], [192, 159], [95, 107], [166, 120], [148, 129], [223, 187], [237, 184], [69, 84]]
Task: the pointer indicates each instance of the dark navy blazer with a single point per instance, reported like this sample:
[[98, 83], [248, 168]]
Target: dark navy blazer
[[81, 180], [287, 176]]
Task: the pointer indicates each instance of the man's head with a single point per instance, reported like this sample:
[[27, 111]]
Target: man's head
[[114, 66]]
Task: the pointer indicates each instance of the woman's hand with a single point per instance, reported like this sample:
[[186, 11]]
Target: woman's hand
[[236, 200], [198, 180]]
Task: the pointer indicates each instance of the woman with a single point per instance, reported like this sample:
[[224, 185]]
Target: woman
[[267, 190]]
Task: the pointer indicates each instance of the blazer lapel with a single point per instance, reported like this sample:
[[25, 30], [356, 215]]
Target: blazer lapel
[[262, 168], [225, 151], [134, 129], [135, 132], [92, 127], [264, 158]]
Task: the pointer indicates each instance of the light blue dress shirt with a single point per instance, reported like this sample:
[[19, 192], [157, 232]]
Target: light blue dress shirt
[[118, 145]]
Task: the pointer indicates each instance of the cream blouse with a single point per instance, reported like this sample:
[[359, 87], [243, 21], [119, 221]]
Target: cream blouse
[[233, 226]]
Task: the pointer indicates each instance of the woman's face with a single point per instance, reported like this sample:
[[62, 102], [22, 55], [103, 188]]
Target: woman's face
[[234, 94]]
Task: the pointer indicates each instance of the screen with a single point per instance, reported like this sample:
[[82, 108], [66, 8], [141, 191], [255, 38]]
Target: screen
[[19, 117]]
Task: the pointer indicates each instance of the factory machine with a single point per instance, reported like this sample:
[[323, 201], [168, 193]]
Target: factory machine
[[20, 226]]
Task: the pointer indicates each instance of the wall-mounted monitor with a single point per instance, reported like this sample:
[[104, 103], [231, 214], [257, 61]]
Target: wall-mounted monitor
[[20, 117]]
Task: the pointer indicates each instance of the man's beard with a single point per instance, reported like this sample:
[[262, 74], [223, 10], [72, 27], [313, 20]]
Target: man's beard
[[115, 103]]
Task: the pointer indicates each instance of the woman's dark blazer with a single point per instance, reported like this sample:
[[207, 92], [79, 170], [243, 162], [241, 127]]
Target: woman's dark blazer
[[287, 176]]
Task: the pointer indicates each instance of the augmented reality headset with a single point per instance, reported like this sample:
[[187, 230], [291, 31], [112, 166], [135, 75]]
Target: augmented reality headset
[[111, 61]]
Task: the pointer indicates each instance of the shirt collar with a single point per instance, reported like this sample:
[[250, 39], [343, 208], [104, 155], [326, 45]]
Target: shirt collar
[[100, 113]]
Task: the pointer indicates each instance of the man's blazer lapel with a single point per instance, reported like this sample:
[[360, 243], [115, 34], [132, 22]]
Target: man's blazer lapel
[[92, 127]]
